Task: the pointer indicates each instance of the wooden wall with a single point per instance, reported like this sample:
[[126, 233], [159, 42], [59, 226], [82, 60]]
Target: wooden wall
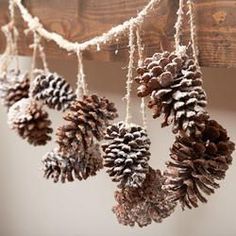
[[79, 20]]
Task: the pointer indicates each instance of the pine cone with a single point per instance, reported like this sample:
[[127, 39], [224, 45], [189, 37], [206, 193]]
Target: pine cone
[[86, 120], [174, 84], [30, 121], [14, 86], [70, 168], [198, 162], [53, 90], [144, 204], [127, 154]]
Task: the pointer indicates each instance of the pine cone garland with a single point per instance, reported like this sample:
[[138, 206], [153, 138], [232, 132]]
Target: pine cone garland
[[197, 163], [53, 90], [86, 120], [14, 86], [144, 204], [80, 167], [30, 121], [174, 84], [127, 154]]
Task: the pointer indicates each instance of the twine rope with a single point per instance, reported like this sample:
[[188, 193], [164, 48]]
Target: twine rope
[[139, 47], [129, 76], [37, 47], [7, 56], [34, 24], [15, 33], [11, 35], [193, 30], [179, 25], [81, 82], [43, 57], [11, 8], [34, 46], [140, 62], [15, 46]]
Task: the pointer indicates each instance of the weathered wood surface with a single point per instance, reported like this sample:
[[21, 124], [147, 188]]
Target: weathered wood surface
[[79, 20]]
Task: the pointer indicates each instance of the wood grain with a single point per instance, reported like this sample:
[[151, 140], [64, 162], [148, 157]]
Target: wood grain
[[81, 20]]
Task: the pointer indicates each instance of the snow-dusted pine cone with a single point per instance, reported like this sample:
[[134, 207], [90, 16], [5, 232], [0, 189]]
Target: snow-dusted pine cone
[[53, 90], [127, 154], [30, 121], [14, 85], [197, 163], [86, 119], [144, 204], [79, 167], [174, 84]]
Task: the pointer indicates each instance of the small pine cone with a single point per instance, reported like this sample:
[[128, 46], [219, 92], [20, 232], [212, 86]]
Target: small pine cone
[[86, 120], [174, 84], [14, 86], [144, 204], [127, 154], [30, 121], [197, 163], [70, 168], [53, 90]]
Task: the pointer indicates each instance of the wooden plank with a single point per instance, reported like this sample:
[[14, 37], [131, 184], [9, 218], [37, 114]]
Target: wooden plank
[[81, 20]]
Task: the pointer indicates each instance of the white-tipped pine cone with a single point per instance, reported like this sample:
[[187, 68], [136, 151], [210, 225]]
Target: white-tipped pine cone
[[198, 162], [14, 85], [145, 204], [174, 84], [30, 121], [80, 166], [86, 120], [53, 90], [127, 154]]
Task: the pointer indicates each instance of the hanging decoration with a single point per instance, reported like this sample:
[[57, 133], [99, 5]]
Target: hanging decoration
[[198, 162], [52, 90], [141, 198], [14, 87], [49, 88], [201, 157], [86, 121], [68, 168], [173, 83], [144, 204], [78, 153], [30, 121], [127, 151], [14, 84], [127, 154], [88, 140]]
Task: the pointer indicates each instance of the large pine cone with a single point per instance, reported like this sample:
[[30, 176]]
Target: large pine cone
[[127, 154], [174, 84], [53, 90], [144, 204], [86, 119], [70, 168], [198, 162], [14, 86], [30, 121]]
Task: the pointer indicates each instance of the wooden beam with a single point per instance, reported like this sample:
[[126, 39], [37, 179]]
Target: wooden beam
[[81, 20]]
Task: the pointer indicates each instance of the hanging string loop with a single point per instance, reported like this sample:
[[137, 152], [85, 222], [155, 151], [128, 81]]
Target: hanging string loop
[[193, 30], [140, 63], [129, 75], [82, 88], [179, 26]]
